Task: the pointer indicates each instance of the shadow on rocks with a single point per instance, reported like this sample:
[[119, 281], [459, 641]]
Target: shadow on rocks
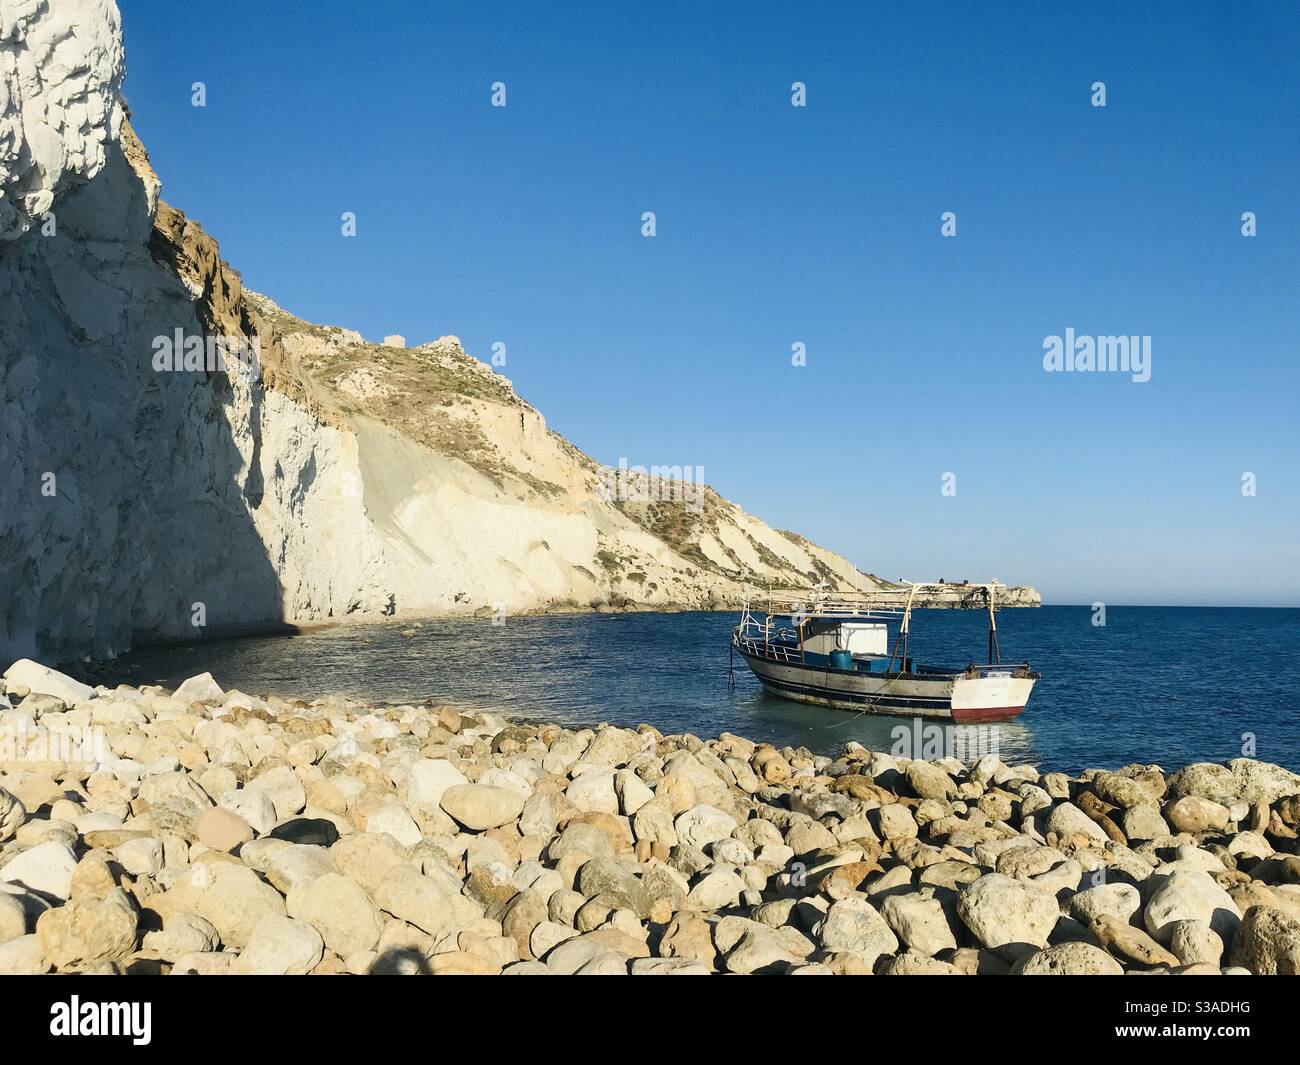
[[399, 962]]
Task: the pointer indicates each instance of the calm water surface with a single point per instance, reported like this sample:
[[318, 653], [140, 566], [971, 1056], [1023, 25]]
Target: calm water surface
[[1168, 685]]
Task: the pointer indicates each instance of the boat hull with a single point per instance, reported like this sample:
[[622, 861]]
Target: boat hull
[[960, 698]]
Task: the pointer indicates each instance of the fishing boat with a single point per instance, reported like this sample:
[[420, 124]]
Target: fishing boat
[[834, 649]]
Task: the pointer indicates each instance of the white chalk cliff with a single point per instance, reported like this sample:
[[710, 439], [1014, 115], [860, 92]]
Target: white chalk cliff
[[60, 72], [342, 479]]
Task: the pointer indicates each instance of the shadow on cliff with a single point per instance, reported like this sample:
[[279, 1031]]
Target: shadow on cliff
[[158, 527]]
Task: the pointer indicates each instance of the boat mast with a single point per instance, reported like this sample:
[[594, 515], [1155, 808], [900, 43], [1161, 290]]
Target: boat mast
[[901, 640], [767, 620], [995, 653], [800, 620]]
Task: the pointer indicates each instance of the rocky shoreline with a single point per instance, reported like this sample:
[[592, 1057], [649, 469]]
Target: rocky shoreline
[[210, 831], [1016, 598]]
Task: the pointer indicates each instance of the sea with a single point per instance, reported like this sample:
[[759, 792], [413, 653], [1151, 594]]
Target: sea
[[1162, 685]]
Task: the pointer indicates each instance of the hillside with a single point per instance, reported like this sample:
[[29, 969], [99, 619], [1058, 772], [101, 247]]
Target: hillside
[[340, 479]]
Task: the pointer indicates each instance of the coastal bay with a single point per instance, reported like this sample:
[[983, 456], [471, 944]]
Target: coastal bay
[[1127, 691]]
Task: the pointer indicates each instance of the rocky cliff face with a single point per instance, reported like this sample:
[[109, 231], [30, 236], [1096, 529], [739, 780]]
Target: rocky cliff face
[[303, 474]]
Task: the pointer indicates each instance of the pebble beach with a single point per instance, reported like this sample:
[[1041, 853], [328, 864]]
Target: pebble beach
[[211, 831]]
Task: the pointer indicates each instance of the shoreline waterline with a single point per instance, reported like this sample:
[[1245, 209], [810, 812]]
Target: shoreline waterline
[[287, 628]]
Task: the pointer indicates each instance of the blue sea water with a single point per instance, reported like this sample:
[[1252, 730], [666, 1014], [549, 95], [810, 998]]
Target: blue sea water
[[1168, 685]]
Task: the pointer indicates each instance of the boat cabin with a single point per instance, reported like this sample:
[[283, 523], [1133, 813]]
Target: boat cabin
[[824, 635]]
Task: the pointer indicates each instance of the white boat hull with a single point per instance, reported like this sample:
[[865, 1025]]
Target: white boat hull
[[993, 695]]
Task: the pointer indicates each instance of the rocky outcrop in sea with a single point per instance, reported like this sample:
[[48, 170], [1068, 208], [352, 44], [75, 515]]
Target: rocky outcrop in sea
[[205, 830]]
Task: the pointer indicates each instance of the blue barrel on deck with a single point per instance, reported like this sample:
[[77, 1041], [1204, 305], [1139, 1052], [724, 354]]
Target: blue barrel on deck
[[841, 660]]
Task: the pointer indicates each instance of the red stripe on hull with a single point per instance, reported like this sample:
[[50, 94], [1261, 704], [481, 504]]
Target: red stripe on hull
[[985, 713]]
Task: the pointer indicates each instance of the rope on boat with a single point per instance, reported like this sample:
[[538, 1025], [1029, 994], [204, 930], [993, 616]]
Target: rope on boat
[[865, 706]]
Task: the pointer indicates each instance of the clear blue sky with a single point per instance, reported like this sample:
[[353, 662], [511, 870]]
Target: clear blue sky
[[819, 225]]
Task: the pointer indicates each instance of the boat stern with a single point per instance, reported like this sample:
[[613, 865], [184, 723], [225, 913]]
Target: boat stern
[[991, 694]]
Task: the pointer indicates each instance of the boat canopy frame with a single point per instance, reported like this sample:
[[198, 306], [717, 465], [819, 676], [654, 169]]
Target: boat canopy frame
[[879, 604]]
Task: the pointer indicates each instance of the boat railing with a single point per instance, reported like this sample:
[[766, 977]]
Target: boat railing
[[847, 613], [1010, 668], [784, 652], [752, 627], [891, 602], [777, 652]]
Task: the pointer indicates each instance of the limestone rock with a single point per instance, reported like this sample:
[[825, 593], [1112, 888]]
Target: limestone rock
[[896, 822], [632, 791], [614, 747], [593, 792], [252, 806], [766, 950], [668, 967], [232, 899], [283, 787], [199, 689], [920, 922], [23, 957], [419, 900], [1123, 791], [1066, 819], [1192, 813], [13, 918], [615, 884], [295, 865], [85, 932], [1194, 942], [1001, 912], [12, 815], [280, 946], [701, 825], [911, 963], [1144, 822], [222, 830], [715, 890], [392, 820], [585, 956], [340, 910], [1268, 943], [142, 856], [1241, 780], [429, 778], [45, 869], [1190, 894], [1072, 959], [1128, 942], [182, 933], [929, 781], [41, 679], [689, 937], [853, 924], [366, 858], [482, 806], [1118, 900]]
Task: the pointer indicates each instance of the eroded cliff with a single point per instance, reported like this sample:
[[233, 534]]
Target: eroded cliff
[[149, 494]]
